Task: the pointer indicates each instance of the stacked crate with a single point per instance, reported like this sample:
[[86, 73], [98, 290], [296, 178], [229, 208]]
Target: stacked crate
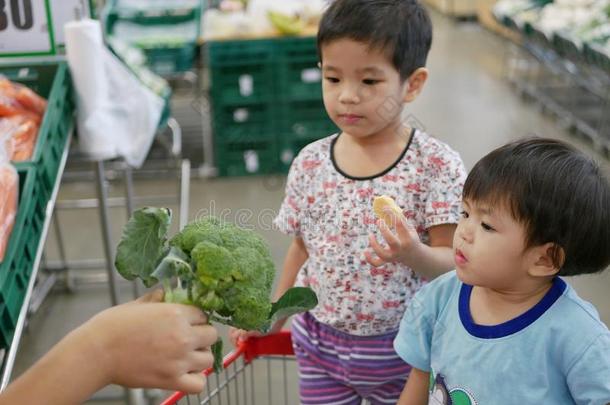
[[302, 118], [266, 98], [159, 25]]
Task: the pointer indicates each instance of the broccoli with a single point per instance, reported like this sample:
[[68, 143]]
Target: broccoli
[[221, 268]]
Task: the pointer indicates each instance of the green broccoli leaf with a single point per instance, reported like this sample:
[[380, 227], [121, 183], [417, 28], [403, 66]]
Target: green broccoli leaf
[[217, 352], [294, 301], [143, 244], [175, 264]]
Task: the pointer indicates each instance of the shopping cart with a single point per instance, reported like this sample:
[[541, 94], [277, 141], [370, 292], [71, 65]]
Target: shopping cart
[[262, 370]]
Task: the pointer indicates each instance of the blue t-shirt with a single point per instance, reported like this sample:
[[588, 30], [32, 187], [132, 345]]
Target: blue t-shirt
[[556, 353]]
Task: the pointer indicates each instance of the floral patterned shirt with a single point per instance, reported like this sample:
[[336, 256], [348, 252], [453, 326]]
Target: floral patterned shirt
[[332, 212]]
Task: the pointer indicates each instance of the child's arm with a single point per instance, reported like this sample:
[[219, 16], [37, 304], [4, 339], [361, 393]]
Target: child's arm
[[405, 247], [295, 258], [416, 389]]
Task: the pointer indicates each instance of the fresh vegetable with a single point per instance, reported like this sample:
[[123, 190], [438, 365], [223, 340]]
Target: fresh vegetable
[[9, 189], [225, 270], [21, 113]]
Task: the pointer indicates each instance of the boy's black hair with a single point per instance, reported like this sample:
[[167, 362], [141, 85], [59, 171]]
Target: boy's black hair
[[558, 193], [400, 27]]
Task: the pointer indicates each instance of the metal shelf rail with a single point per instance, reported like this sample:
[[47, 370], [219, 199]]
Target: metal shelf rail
[[567, 87]]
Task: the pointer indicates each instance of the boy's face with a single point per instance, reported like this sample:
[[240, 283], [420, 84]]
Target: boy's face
[[489, 247], [363, 93]]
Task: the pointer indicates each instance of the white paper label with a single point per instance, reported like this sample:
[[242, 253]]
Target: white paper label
[[246, 85], [251, 161], [24, 28], [241, 115]]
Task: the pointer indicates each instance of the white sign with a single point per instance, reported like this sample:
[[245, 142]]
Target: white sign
[[24, 28], [65, 11]]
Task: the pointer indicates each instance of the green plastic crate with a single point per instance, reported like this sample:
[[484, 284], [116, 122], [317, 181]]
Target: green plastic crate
[[166, 61], [537, 36], [242, 71], [567, 47], [299, 76], [305, 120], [288, 149], [166, 56], [595, 55], [52, 81], [247, 158], [244, 123], [18, 263]]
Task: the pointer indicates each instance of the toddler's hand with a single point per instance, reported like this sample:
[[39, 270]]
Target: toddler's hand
[[401, 245], [239, 335]]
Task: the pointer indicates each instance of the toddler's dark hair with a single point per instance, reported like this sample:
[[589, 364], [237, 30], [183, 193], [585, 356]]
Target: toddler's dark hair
[[558, 193], [402, 28]]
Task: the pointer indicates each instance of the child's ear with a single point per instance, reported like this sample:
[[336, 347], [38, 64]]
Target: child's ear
[[547, 260], [415, 84]]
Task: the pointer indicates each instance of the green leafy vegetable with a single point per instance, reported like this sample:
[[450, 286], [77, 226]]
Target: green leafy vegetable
[[225, 270], [143, 244]]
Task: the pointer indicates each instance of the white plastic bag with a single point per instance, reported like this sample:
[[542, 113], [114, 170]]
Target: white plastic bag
[[117, 116]]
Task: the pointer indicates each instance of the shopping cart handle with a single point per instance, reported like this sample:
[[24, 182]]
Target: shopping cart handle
[[279, 344]]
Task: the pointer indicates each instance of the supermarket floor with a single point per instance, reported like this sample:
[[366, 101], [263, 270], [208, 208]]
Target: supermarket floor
[[467, 103]]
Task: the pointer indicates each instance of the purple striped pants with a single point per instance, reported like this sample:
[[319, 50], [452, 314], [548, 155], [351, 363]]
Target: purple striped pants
[[342, 369]]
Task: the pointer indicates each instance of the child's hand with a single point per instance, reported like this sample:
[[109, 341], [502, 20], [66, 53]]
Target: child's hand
[[402, 245], [239, 335]]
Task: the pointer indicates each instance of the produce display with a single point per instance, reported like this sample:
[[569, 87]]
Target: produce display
[[9, 188], [219, 267], [246, 18], [21, 113]]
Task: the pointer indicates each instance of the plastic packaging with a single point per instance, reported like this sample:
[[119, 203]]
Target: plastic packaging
[[9, 189], [21, 132], [16, 99], [21, 113]]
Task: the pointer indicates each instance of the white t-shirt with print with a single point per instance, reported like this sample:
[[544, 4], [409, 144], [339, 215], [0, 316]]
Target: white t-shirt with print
[[332, 212]]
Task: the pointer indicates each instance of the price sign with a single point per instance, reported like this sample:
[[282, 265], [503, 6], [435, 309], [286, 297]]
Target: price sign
[[65, 11], [26, 28]]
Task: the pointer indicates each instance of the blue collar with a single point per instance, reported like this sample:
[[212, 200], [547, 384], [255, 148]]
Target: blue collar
[[514, 325]]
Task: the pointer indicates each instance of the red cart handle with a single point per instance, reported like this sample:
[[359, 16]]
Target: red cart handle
[[278, 344]]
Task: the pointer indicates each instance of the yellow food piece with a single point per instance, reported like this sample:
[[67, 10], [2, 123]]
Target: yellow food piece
[[381, 204]]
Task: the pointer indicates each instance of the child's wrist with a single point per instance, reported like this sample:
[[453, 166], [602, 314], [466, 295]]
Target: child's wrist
[[416, 255]]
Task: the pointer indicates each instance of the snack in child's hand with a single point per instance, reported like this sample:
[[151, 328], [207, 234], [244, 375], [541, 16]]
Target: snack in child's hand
[[382, 203]]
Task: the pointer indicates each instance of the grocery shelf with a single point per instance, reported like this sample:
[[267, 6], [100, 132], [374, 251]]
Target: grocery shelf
[[8, 359]]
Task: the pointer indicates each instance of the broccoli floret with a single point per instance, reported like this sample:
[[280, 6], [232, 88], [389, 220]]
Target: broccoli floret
[[204, 230], [234, 269], [225, 270], [213, 263], [249, 307]]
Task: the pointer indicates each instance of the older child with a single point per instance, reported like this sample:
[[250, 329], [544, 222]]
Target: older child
[[504, 328], [373, 54]]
